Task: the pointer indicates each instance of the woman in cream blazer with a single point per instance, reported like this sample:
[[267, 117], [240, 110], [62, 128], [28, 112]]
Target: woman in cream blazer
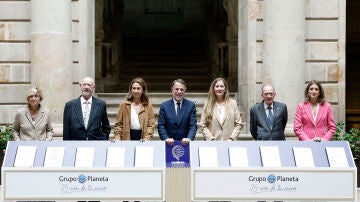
[[33, 121], [220, 119]]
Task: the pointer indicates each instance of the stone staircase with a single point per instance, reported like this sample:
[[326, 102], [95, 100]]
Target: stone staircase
[[114, 99], [160, 60]]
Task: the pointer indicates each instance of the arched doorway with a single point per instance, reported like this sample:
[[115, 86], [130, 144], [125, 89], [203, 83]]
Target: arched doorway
[[161, 40]]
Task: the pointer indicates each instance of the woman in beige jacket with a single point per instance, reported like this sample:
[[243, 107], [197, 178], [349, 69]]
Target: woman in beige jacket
[[33, 121], [220, 119], [135, 118]]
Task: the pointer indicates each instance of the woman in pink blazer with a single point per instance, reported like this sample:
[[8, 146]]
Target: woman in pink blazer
[[314, 119]]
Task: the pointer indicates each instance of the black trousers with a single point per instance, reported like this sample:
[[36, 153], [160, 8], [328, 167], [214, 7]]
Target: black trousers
[[135, 134]]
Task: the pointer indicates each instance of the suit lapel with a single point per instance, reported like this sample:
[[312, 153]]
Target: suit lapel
[[217, 117], [226, 116], [320, 113], [28, 116], [78, 112], [263, 115], [309, 112], [172, 110], [40, 116], [93, 111], [276, 110]]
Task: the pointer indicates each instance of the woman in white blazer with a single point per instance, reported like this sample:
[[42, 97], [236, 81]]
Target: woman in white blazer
[[220, 119], [33, 122]]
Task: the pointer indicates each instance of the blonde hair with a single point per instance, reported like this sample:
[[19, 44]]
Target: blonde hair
[[34, 91], [211, 100]]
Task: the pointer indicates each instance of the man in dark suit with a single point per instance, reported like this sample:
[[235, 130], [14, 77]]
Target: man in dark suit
[[177, 116], [268, 119], [85, 118]]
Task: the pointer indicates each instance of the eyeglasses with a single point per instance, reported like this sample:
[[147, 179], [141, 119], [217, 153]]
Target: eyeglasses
[[33, 96]]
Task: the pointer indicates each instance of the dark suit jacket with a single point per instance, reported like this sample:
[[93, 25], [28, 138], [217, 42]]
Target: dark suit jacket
[[259, 127], [98, 124], [169, 126]]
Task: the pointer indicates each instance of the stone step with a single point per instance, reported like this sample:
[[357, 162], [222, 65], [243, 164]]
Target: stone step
[[159, 76], [160, 60], [165, 57], [155, 86], [163, 42], [114, 99], [171, 66]]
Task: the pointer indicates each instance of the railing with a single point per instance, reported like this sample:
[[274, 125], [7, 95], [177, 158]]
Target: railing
[[109, 60], [218, 53]]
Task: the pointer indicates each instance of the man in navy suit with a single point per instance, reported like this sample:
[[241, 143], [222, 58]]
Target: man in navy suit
[[177, 116], [268, 119], [85, 118]]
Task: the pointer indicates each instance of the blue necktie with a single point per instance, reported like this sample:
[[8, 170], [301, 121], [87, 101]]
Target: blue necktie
[[178, 109], [270, 117]]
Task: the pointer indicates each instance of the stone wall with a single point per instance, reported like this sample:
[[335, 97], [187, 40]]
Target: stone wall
[[16, 57], [324, 53], [324, 49]]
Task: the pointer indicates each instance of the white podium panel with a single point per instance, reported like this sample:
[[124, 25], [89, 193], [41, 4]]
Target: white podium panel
[[265, 180], [274, 184], [76, 184], [76, 176], [245, 175]]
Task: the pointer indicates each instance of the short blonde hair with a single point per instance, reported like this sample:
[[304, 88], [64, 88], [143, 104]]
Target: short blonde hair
[[34, 91]]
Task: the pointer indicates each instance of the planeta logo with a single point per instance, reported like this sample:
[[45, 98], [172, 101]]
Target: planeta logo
[[271, 178], [178, 151], [82, 178]]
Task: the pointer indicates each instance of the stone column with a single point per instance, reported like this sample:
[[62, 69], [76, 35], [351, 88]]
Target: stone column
[[99, 36], [284, 51], [232, 10], [246, 61], [86, 39], [51, 54]]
